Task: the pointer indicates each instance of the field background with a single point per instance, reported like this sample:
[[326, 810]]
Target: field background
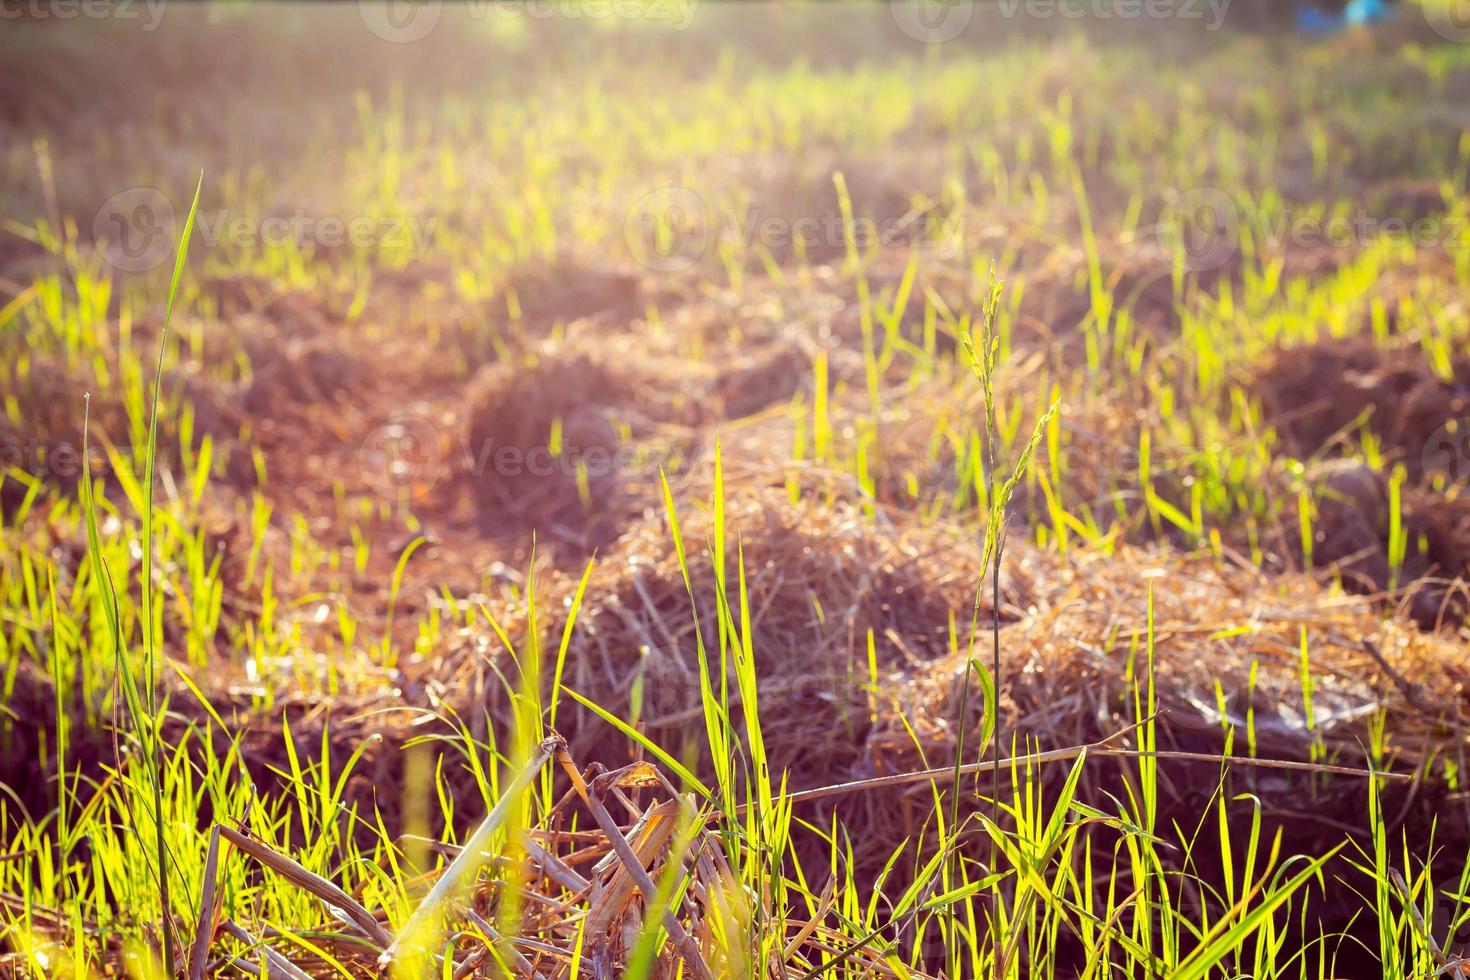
[[535, 366]]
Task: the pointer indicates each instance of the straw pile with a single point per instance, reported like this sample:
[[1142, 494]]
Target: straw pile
[[1315, 395], [822, 579], [572, 287], [568, 443], [823, 584], [579, 895], [1318, 397]]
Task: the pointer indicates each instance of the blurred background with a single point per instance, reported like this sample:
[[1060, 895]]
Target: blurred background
[[476, 292]]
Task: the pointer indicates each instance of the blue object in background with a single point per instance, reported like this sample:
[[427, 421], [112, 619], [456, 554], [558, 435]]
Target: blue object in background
[[1367, 12], [1311, 20]]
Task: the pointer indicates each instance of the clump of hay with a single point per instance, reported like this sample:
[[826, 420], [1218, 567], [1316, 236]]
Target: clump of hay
[[929, 449], [769, 376], [1228, 669], [288, 374], [295, 356], [570, 288], [1068, 660], [791, 207], [297, 316], [1410, 200], [1352, 533], [567, 443], [1074, 641], [1314, 396], [49, 395], [286, 315], [229, 296], [259, 369], [821, 580], [1055, 298], [42, 434]]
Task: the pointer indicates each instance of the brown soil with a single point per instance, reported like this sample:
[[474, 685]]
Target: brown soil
[[1352, 535], [570, 288], [620, 417], [46, 440], [790, 204], [1409, 200], [769, 376], [1056, 301], [1315, 395], [289, 372]]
